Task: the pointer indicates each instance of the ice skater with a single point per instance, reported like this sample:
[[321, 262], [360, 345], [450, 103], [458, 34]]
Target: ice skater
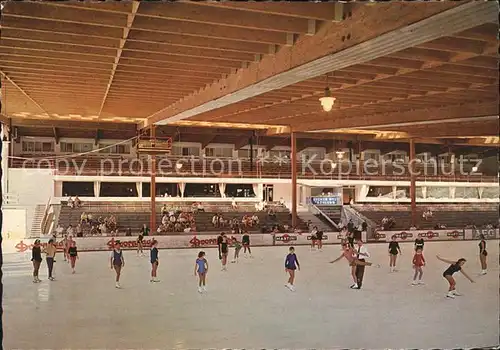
[[350, 255], [237, 248], [245, 240], [65, 244], [36, 258], [117, 262], [483, 254], [223, 250], [291, 264], [361, 254], [201, 269], [140, 240], [418, 262], [448, 275], [50, 251], [394, 249], [73, 255], [319, 238], [154, 261]]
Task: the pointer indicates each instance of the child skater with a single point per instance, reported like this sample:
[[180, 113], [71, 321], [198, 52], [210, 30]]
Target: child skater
[[36, 257], [73, 255], [351, 257], [140, 239], [201, 268], [245, 240], [154, 261], [291, 264], [448, 274], [394, 249], [237, 248], [117, 262], [418, 262], [65, 243], [419, 243]]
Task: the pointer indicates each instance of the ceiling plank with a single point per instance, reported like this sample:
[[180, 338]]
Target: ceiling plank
[[183, 11], [318, 11], [70, 124]]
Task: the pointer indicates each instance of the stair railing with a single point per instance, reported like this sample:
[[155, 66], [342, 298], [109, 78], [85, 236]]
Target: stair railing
[[43, 222]]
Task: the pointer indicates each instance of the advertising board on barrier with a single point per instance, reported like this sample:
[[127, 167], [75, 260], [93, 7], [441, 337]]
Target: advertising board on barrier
[[408, 236], [489, 233]]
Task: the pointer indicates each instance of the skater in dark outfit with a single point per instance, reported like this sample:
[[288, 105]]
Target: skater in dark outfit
[[223, 250], [73, 255], [448, 274], [394, 249], [117, 262], [291, 264], [245, 241], [36, 257], [483, 254]]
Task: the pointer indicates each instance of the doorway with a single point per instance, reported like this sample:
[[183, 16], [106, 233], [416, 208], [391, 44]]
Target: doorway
[[268, 192]]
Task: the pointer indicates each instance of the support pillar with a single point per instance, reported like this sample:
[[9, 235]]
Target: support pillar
[[293, 157], [153, 183], [413, 196]]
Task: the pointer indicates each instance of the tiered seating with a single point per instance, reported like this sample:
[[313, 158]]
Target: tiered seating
[[134, 214], [450, 215], [332, 211]]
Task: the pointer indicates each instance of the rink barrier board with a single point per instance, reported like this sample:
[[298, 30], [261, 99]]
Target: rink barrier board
[[257, 239]]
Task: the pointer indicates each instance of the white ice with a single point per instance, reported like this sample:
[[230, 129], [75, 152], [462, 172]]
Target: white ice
[[248, 306]]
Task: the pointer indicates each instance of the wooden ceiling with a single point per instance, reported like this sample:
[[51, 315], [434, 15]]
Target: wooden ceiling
[[127, 62]]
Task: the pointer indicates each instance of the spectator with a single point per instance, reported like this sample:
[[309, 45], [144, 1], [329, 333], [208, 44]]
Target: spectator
[[83, 218], [364, 226], [128, 232], [145, 230], [79, 231], [201, 208], [233, 204], [282, 201], [271, 213], [164, 219], [59, 231], [255, 219], [194, 207], [70, 231], [413, 228], [164, 210], [71, 204], [77, 202], [350, 225], [172, 219], [215, 220], [89, 219]]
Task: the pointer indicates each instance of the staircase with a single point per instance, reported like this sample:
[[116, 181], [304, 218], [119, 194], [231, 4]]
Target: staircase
[[36, 224], [305, 216]]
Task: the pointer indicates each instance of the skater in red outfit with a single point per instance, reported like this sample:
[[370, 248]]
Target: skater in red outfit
[[448, 274], [418, 262]]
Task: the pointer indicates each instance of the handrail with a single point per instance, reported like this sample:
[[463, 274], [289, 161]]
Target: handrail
[[324, 215], [45, 215]]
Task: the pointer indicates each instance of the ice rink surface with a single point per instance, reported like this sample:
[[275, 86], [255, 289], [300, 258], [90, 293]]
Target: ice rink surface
[[248, 306]]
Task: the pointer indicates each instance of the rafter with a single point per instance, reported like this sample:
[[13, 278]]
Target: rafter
[[123, 40]]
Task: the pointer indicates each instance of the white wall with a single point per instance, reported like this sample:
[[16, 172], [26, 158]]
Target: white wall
[[14, 224]]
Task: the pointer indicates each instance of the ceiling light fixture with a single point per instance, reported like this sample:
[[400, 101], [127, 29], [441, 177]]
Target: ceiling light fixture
[[327, 101]]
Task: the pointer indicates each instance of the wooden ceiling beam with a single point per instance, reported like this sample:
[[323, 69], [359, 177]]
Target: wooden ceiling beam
[[43, 52], [72, 124], [456, 45], [317, 11], [186, 12], [159, 25], [380, 119], [56, 13]]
